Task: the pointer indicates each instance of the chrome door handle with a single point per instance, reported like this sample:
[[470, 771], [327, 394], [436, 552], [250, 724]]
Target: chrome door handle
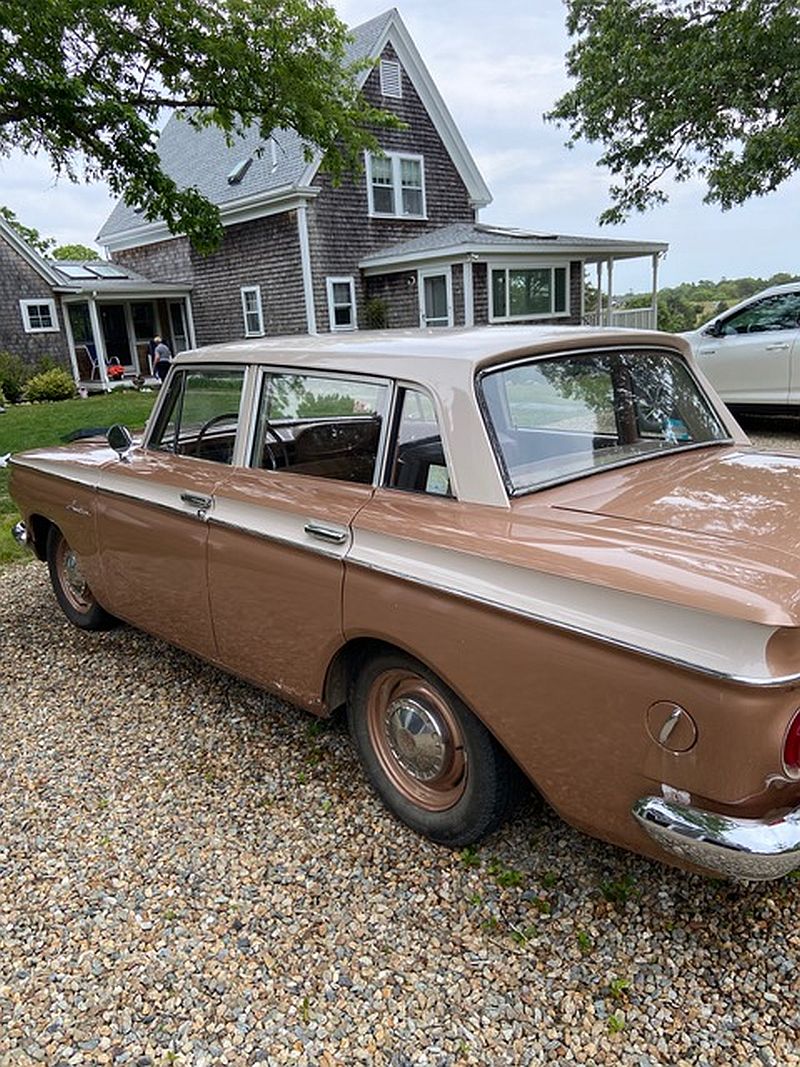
[[706, 351], [335, 535], [777, 348], [197, 500]]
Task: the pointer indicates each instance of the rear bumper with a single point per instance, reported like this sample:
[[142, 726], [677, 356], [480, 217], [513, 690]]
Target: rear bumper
[[754, 849]]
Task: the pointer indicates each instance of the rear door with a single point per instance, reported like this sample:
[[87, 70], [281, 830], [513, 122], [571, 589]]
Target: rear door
[[281, 528]]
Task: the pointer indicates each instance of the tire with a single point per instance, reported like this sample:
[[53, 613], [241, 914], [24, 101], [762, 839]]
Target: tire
[[432, 762], [73, 594]]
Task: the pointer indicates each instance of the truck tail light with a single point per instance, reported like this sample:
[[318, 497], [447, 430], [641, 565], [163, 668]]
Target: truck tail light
[[791, 747]]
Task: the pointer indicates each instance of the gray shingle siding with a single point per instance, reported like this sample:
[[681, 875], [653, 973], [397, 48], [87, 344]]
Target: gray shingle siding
[[399, 293], [19, 281], [262, 252], [341, 231]]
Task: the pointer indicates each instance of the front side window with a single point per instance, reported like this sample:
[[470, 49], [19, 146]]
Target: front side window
[[560, 418], [252, 311], [528, 292], [200, 416], [39, 316], [778, 312], [341, 303], [320, 425], [396, 185], [418, 462]]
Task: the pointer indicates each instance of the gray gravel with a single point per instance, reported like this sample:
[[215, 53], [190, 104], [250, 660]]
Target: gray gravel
[[193, 873]]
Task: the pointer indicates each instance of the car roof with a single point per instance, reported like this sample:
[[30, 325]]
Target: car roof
[[433, 357]]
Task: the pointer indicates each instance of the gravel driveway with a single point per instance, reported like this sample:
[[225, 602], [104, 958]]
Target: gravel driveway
[[193, 873]]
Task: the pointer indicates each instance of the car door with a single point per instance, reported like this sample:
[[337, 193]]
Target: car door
[[280, 528], [154, 505], [750, 360]]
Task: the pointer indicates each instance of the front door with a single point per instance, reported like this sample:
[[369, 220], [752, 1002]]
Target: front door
[[435, 298], [153, 509]]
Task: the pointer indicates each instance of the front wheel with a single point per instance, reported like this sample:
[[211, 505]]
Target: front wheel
[[72, 591], [432, 762]]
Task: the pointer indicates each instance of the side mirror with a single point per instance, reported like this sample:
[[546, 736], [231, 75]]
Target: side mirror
[[716, 329], [119, 438]]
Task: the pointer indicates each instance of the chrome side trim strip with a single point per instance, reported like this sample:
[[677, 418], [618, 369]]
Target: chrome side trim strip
[[625, 646], [315, 546]]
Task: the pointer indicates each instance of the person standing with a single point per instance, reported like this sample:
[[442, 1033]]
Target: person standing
[[162, 357]]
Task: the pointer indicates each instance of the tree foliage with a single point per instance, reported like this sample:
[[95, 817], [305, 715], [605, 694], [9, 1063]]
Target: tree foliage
[[75, 252], [27, 233], [685, 88], [87, 83]]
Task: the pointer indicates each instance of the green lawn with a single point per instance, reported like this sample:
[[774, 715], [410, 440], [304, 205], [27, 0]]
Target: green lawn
[[26, 426]]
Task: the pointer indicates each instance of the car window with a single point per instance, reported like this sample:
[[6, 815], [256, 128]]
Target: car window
[[322, 425], [417, 462], [781, 311], [200, 416], [554, 419]]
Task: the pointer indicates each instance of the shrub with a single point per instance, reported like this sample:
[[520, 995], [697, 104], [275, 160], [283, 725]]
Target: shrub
[[53, 384], [376, 314], [14, 373]]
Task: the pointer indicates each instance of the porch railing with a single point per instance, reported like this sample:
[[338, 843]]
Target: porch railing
[[629, 318]]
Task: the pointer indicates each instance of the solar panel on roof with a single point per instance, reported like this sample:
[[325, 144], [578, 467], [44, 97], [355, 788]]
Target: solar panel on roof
[[107, 270], [75, 270]]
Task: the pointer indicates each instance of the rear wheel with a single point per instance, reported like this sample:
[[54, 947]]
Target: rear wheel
[[433, 763], [72, 591]]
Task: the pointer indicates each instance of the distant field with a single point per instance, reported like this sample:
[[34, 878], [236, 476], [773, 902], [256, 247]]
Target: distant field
[[26, 426]]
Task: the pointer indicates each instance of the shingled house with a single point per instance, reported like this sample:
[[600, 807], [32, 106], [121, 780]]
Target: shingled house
[[84, 314], [401, 244]]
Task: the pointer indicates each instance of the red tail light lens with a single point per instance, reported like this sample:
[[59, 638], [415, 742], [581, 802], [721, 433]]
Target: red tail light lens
[[791, 746]]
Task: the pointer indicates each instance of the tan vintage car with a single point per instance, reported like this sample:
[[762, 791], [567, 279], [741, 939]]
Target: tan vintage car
[[510, 553]]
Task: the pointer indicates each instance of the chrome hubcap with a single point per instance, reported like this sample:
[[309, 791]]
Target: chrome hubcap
[[73, 574], [416, 739]]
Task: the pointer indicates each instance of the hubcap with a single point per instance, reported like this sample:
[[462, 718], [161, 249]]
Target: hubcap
[[417, 739], [72, 580]]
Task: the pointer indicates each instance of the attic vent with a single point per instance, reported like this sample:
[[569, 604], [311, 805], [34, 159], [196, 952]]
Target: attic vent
[[391, 81], [239, 171]]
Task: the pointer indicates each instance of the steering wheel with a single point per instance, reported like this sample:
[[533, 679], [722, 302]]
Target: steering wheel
[[268, 448], [212, 422]]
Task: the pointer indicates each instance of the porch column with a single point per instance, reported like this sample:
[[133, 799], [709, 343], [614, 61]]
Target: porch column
[[187, 309], [599, 311], [305, 261], [654, 300], [76, 372], [99, 343], [609, 311], [469, 294]]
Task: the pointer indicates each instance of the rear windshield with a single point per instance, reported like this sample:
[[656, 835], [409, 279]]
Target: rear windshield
[[558, 418]]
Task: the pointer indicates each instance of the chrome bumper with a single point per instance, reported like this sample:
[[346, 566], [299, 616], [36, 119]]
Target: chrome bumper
[[20, 535], [755, 849]]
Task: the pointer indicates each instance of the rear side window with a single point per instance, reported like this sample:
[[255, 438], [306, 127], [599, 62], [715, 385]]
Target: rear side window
[[200, 417], [320, 425], [418, 462]]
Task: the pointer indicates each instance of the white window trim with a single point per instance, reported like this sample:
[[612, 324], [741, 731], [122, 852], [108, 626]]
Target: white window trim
[[245, 289], [329, 284], [432, 272], [395, 158], [25, 305], [391, 79], [528, 265]]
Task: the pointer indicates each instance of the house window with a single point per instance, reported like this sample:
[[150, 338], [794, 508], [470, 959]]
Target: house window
[[391, 79], [341, 303], [252, 311], [39, 316], [528, 292], [396, 185]]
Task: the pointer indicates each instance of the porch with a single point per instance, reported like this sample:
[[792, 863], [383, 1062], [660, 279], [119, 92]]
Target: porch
[[112, 319]]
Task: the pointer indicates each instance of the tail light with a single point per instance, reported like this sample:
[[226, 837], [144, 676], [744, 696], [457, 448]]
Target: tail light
[[791, 747]]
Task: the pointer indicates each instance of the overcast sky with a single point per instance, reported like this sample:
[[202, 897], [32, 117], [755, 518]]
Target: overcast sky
[[498, 76]]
